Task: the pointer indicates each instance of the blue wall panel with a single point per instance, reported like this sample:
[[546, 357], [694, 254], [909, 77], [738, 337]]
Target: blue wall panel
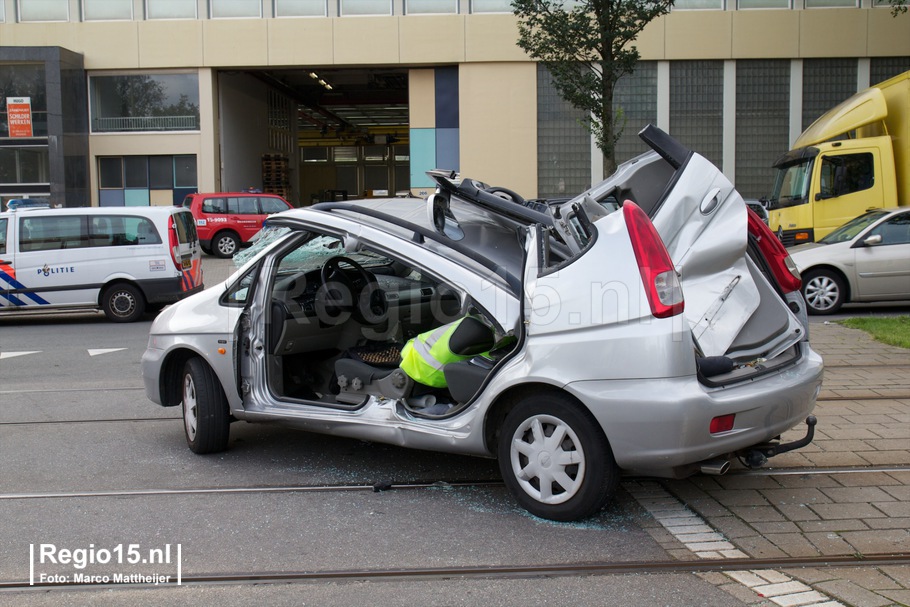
[[423, 157], [447, 149], [111, 198], [447, 98]]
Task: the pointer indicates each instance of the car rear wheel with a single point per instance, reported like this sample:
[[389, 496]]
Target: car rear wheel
[[225, 244], [824, 291], [206, 418], [555, 459], [123, 303]]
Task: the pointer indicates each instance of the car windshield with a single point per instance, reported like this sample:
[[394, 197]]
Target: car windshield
[[262, 239], [849, 230], [791, 184], [320, 248], [310, 256]]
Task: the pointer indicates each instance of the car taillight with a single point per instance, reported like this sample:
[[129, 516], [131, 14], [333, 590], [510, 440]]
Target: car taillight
[[657, 272], [172, 244], [782, 266]]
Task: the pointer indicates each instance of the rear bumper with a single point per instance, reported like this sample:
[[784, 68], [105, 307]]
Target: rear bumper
[[661, 427]]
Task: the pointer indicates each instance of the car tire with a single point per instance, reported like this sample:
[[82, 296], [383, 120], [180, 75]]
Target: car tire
[[574, 484], [824, 291], [206, 417], [123, 302], [225, 244]]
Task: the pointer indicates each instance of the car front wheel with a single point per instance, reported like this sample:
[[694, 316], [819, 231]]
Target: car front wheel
[[824, 291], [555, 459], [206, 418], [225, 244]]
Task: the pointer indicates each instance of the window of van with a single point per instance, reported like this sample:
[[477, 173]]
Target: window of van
[[3, 235], [186, 228], [272, 205], [78, 231], [50, 233]]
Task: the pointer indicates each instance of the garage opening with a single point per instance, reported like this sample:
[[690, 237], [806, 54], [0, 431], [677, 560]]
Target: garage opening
[[331, 134]]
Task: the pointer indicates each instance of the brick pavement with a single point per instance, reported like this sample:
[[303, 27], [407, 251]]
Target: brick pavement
[[864, 421]]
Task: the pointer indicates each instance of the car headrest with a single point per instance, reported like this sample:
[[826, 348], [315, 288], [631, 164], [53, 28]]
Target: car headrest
[[471, 337]]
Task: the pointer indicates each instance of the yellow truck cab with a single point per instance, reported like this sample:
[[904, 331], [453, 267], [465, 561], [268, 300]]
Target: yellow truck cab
[[855, 157]]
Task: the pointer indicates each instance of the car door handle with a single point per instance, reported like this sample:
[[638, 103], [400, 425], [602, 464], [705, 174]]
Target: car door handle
[[710, 202]]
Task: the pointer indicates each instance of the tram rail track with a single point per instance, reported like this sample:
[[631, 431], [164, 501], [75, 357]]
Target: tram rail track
[[405, 485], [498, 571]]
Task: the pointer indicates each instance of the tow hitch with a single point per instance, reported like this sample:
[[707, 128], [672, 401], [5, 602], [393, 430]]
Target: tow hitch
[[755, 457]]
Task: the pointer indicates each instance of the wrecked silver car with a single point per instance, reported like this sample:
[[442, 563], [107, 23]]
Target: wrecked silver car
[[637, 328]]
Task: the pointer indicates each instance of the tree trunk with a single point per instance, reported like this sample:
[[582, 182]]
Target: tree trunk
[[608, 145]]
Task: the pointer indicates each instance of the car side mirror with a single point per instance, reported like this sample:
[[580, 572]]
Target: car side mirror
[[441, 217], [873, 240], [821, 196]]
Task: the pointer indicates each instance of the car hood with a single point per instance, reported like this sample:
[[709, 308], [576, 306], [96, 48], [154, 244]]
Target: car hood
[[199, 313]]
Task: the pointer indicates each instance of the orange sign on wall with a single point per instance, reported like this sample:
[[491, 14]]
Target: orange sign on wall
[[19, 116]]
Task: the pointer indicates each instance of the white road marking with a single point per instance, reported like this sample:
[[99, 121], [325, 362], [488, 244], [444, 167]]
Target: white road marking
[[104, 351], [15, 354]]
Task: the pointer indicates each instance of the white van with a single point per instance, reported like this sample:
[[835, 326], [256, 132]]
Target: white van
[[122, 260]]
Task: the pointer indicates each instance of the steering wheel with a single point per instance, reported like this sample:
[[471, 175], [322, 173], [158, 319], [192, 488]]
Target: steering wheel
[[506, 194], [359, 294]]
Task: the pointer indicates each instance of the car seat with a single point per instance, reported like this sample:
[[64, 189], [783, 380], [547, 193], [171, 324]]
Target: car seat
[[375, 371]]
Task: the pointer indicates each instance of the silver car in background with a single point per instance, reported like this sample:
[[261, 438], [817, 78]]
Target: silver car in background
[[866, 259], [633, 328]]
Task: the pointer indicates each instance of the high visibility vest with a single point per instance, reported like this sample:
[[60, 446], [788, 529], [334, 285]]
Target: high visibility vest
[[424, 357]]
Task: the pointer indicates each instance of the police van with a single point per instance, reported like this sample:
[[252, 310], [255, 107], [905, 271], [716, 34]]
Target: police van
[[123, 260]]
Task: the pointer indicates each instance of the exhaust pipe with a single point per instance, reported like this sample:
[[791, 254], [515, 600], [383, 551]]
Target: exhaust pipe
[[715, 467]]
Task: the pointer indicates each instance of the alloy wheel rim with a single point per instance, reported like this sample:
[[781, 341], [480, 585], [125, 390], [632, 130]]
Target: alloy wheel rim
[[547, 459], [189, 406], [822, 293], [226, 246]]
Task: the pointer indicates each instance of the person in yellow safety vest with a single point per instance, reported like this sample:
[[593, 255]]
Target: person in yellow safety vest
[[424, 357]]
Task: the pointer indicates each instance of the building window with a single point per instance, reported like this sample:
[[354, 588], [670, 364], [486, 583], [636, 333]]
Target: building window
[[233, 9], [430, 7], [762, 118], [44, 10], [635, 95], [831, 3], [883, 68], [170, 9], [698, 4], [24, 165], [159, 102], [300, 8], [563, 144], [2, 12], [746, 4], [491, 6], [697, 106], [24, 80], [365, 7], [107, 10], [826, 82], [145, 180]]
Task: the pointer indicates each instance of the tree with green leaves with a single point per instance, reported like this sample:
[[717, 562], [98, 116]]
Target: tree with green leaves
[[587, 46]]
